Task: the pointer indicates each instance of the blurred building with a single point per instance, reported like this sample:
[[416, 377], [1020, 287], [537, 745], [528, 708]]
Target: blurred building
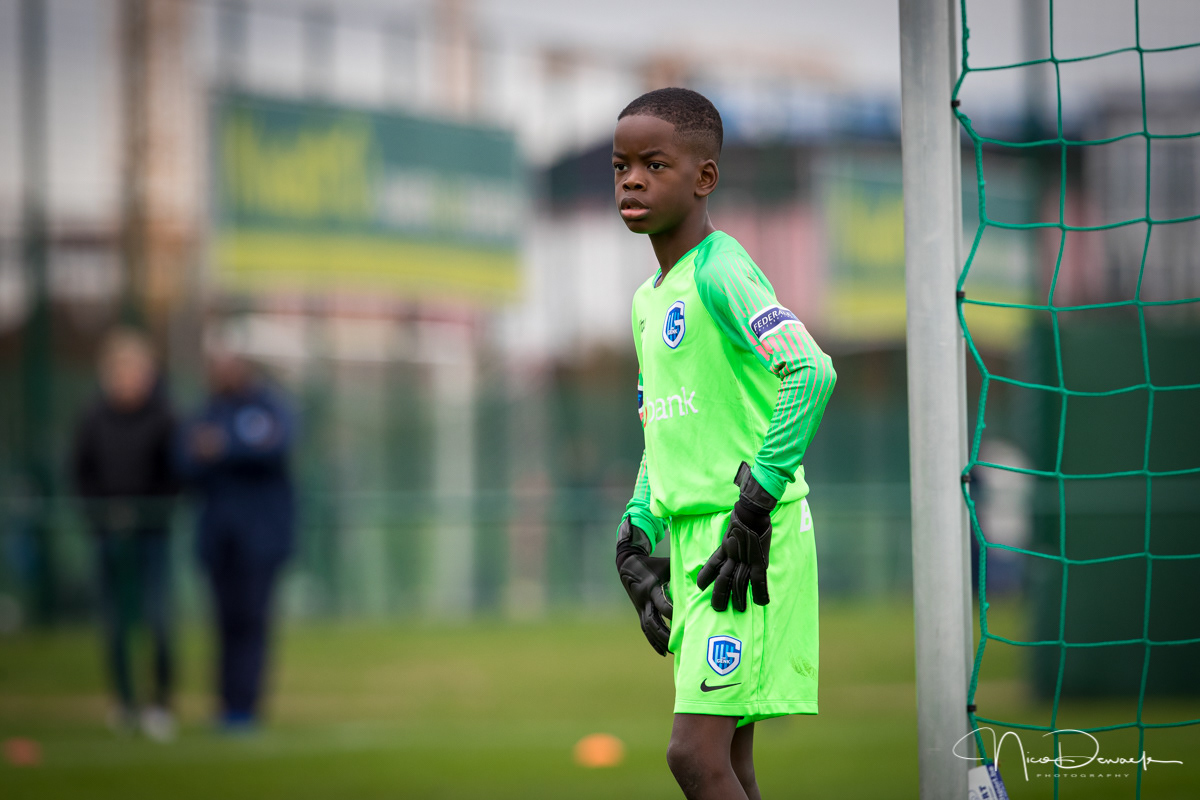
[[409, 221], [404, 212]]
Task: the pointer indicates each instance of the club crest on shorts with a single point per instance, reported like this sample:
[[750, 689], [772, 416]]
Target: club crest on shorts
[[673, 326], [724, 654]]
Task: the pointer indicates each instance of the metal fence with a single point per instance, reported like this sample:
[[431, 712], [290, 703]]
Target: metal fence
[[368, 555]]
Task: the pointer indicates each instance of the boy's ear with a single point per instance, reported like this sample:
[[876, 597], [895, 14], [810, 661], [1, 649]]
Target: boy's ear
[[707, 176]]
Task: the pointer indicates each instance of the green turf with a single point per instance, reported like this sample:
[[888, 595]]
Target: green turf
[[492, 710]]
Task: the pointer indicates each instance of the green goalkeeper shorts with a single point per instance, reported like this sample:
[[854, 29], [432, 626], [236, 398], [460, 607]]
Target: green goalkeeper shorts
[[757, 663]]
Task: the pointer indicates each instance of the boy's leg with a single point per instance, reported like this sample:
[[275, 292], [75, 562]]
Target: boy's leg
[[741, 754], [226, 599], [700, 757], [154, 557], [114, 588]]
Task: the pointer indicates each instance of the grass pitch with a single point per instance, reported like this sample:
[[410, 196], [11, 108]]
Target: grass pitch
[[493, 709]]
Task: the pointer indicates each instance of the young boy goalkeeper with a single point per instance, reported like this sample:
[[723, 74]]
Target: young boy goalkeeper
[[730, 392]]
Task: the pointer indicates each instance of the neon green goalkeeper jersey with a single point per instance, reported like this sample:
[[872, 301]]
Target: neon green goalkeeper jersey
[[727, 375]]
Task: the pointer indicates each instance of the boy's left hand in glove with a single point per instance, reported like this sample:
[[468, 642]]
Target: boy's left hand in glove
[[740, 561]]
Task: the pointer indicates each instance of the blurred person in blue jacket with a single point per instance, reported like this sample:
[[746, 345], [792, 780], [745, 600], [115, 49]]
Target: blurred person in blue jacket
[[236, 455], [121, 467]]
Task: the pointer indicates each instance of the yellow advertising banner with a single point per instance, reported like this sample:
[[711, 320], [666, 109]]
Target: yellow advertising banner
[[311, 197]]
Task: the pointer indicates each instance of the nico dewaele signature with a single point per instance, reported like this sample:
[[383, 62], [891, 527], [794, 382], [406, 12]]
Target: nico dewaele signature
[[1061, 761]]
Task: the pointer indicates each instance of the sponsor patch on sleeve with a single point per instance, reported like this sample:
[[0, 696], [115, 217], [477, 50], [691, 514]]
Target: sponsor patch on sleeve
[[771, 319]]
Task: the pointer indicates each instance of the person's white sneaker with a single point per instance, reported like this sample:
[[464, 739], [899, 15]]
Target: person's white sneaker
[[158, 724]]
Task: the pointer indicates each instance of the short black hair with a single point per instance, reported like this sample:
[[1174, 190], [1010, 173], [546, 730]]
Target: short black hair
[[692, 114]]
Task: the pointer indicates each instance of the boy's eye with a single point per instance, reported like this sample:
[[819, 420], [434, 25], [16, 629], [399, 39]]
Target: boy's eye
[[619, 167], [655, 165]]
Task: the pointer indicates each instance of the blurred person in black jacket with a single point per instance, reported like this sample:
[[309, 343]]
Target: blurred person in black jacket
[[236, 454], [122, 468]]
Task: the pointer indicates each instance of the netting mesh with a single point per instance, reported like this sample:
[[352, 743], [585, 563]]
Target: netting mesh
[[1060, 475]]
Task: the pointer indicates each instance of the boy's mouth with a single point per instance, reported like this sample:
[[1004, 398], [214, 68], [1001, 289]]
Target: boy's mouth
[[633, 209]]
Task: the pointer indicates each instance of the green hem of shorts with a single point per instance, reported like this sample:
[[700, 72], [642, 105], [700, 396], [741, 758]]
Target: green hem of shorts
[[749, 712]]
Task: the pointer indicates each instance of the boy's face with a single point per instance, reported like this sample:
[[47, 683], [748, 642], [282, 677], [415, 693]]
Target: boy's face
[[228, 374], [127, 377], [658, 180]]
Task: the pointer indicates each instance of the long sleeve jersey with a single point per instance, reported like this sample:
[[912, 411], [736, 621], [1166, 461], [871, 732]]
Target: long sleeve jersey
[[727, 374]]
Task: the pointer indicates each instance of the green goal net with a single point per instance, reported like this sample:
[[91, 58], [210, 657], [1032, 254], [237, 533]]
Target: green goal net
[[1114, 556]]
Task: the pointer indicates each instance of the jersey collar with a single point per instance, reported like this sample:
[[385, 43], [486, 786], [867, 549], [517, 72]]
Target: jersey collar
[[659, 280]]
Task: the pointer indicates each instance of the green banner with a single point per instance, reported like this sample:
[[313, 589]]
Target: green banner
[[862, 202], [314, 197]]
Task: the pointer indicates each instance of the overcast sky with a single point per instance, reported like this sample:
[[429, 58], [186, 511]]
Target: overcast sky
[[850, 44], [858, 38]]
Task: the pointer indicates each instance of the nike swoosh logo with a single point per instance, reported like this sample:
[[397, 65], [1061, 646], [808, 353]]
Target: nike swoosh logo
[[704, 687]]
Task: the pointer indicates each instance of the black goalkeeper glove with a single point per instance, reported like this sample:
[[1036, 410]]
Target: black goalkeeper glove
[[644, 578], [741, 558]]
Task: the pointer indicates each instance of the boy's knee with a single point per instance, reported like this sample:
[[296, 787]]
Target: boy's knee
[[682, 761], [692, 764]]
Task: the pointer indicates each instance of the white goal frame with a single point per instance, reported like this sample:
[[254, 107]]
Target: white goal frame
[[936, 393]]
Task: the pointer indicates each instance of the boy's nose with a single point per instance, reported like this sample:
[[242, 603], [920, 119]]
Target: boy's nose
[[633, 181]]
